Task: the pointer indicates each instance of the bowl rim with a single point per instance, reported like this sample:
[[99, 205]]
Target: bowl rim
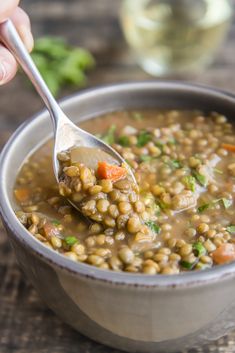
[[51, 257]]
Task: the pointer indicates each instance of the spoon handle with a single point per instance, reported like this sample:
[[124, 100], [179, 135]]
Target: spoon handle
[[11, 39]]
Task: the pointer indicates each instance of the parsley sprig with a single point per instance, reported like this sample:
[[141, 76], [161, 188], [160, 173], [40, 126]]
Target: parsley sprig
[[61, 64]]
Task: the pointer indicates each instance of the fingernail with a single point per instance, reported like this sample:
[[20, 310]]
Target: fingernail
[[26, 37], [4, 66]]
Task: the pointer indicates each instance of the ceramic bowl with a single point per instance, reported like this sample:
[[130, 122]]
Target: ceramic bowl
[[132, 312]]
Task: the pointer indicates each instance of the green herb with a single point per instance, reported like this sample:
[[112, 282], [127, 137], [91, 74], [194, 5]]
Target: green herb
[[71, 240], [200, 178], [231, 229], [187, 265], [159, 144], [218, 171], [172, 141], [203, 207], [199, 249], [145, 158], [153, 226], [55, 222], [162, 205], [137, 116], [124, 141], [190, 182], [143, 138], [109, 137], [174, 164], [61, 64], [226, 202]]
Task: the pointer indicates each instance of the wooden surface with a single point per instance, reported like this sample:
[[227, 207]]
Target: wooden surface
[[26, 325]]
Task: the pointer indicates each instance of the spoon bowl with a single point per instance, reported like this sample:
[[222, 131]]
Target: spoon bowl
[[67, 134]]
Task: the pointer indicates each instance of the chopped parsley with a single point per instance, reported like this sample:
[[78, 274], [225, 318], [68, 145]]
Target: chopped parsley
[[188, 265], [159, 144], [199, 249], [231, 229], [226, 202], [143, 138], [146, 158], [153, 226], [172, 141], [162, 205], [203, 207], [55, 222], [174, 164], [190, 182], [70, 240], [124, 141], [200, 178]]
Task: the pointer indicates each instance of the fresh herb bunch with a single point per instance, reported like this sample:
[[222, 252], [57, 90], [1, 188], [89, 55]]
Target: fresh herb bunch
[[60, 64]]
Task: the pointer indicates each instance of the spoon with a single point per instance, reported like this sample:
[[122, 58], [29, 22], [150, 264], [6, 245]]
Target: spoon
[[66, 133]]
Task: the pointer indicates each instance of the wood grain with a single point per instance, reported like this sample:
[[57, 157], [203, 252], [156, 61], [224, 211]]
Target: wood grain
[[26, 325]]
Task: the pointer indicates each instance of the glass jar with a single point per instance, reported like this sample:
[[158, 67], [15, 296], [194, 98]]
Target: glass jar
[[174, 36]]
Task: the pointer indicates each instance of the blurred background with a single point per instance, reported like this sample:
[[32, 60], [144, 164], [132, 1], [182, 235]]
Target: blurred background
[[192, 40], [148, 26]]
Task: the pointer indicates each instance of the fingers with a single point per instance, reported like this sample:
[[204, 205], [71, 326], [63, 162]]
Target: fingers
[[6, 8], [22, 23], [8, 66]]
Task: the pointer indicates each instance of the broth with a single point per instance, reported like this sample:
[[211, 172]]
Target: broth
[[184, 164]]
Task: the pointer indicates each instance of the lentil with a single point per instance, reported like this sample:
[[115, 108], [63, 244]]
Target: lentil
[[175, 221]]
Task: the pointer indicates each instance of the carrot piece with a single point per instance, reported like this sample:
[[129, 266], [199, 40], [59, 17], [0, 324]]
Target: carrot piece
[[224, 253], [228, 147], [50, 230], [22, 194], [111, 172]]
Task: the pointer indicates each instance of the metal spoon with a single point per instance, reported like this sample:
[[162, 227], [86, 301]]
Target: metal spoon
[[66, 133]]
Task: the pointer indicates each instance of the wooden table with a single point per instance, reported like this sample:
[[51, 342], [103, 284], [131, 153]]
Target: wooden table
[[26, 324]]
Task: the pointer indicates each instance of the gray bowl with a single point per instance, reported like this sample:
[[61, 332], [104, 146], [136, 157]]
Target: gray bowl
[[136, 313]]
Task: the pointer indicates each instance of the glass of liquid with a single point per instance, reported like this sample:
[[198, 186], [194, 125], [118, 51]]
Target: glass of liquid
[[174, 36]]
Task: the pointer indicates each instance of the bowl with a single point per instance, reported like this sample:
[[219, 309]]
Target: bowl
[[132, 312]]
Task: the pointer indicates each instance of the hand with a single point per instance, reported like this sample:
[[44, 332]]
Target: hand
[[10, 9]]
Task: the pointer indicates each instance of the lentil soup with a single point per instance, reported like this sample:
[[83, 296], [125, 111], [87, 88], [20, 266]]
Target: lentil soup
[[179, 218]]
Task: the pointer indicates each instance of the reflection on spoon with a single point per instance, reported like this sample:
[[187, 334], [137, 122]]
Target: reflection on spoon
[[90, 156]]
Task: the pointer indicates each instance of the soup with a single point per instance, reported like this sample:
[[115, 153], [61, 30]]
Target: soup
[[180, 216]]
